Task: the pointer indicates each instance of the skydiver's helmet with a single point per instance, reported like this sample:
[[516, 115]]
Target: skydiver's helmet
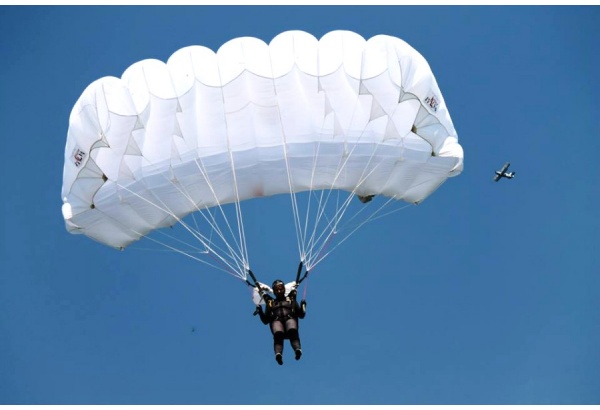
[[278, 283]]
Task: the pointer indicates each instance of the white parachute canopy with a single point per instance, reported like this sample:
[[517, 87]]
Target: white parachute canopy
[[297, 115]]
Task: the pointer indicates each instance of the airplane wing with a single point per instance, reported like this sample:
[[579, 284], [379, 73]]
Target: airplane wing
[[501, 173]]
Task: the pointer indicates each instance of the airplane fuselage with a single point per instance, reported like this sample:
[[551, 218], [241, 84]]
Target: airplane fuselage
[[505, 174]]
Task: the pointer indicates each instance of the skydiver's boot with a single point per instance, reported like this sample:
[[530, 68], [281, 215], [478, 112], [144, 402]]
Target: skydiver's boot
[[278, 347], [295, 342]]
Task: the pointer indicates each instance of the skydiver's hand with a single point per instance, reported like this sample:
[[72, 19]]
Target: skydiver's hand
[[303, 305]]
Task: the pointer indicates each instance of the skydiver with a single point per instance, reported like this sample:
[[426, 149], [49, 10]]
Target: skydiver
[[282, 314]]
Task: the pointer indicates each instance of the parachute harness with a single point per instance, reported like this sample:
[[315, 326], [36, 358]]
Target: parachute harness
[[256, 284]]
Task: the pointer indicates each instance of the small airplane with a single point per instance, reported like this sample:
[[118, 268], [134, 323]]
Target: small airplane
[[503, 174]]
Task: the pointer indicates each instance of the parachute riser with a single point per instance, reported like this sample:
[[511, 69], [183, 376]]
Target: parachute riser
[[298, 278], [256, 284]]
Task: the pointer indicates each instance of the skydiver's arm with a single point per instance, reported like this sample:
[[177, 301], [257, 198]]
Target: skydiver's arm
[[261, 314], [265, 317], [301, 309]]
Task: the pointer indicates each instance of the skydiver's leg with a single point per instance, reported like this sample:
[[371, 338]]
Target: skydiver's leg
[[291, 326], [278, 331]]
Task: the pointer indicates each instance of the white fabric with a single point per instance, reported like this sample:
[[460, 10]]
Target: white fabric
[[213, 128]]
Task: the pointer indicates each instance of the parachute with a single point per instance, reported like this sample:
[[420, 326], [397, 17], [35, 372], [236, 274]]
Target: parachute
[[206, 131]]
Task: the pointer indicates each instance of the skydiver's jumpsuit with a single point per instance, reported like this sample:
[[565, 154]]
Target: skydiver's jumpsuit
[[282, 314]]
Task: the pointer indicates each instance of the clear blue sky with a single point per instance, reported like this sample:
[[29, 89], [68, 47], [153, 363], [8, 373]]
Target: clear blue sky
[[486, 293]]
